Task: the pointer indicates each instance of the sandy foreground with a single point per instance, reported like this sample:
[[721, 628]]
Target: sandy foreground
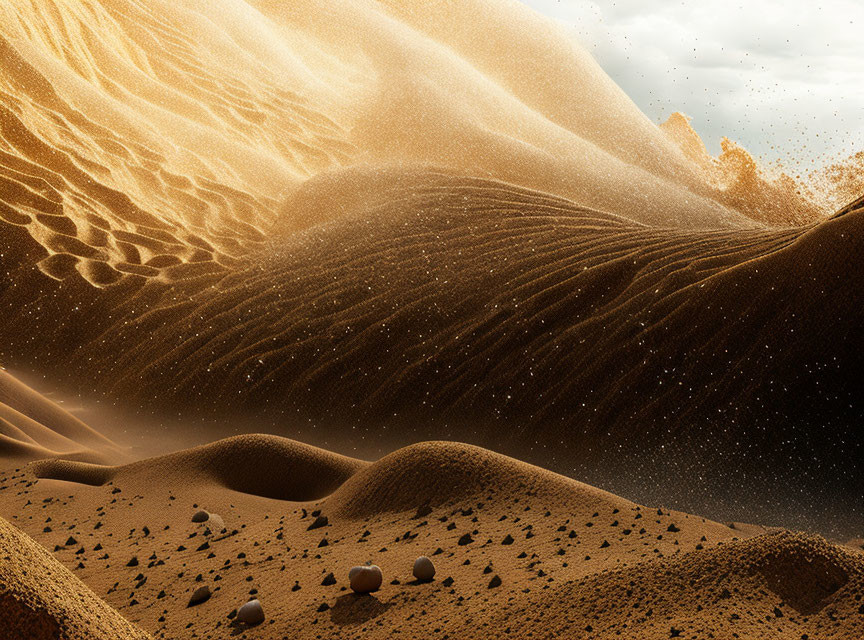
[[90, 550], [370, 224]]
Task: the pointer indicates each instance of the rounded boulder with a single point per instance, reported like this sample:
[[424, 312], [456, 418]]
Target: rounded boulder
[[424, 570], [251, 613], [365, 579]]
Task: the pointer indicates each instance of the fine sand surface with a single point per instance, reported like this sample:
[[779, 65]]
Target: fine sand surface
[[519, 551], [32, 427]]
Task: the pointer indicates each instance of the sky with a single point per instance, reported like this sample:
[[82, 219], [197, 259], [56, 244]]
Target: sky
[[784, 78]]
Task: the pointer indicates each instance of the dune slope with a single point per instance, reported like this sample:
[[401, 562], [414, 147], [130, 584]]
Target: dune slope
[[40, 599], [33, 427]]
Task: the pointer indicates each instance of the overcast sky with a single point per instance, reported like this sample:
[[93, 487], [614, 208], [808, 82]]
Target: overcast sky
[[778, 76]]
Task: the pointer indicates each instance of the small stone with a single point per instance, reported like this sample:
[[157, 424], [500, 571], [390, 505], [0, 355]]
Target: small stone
[[365, 579], [251, 613], [200, 516], [465, 539], [320, 521], [495, 582], [201, 594], [424, 570]]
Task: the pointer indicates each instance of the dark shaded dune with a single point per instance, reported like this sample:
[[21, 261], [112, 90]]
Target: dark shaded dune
[[94, 475], [261, 465], [805, 588], [40, 599], [429, 474], [475, 310]]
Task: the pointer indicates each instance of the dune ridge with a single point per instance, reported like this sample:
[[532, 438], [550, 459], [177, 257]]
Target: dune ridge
[[475, 309], [130, 149]]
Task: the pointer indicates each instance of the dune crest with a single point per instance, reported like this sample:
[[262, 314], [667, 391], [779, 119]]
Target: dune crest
[[260, 465]]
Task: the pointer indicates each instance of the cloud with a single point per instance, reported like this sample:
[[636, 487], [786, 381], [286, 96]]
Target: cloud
[[783, 77]]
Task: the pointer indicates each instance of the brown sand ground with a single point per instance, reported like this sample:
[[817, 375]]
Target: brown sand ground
[[519, 551], [40, 599]]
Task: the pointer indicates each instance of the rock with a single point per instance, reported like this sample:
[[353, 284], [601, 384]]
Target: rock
[[495, 582], [465, 539], [202, 594], [424, 570], [200, 516], [329, 579], [320, 521], [251, 613], [365, 579]]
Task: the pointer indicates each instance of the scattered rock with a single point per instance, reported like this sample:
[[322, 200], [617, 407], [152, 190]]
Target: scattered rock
[[201, 594], [424, 570], [200, 516], [320, 521], [495, 582], [251, 613], [365, 579]]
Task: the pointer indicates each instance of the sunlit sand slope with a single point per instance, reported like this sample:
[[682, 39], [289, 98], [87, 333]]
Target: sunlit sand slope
[[34, 427], [156, 138]]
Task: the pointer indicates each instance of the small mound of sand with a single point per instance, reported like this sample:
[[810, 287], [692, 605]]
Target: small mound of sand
[[41, 600], [434, 473], [778, 585], [261, 465], [73, 471]]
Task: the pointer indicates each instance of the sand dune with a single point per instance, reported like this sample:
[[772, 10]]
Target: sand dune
[[40, 599], [32, 427], [476, 309], [517, 549], [266, 466]]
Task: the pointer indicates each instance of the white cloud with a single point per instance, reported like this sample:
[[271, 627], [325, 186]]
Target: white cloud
[[785, 78]]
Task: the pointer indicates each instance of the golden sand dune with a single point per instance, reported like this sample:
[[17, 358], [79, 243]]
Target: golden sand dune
[[156, 139], [40, 599], [179, 226], [260, 465], [33, 427], [446, 297], [517, 549]]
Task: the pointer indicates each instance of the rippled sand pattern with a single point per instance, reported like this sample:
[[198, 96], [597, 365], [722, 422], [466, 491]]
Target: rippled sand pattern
[[126, 148], [363, 214]]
